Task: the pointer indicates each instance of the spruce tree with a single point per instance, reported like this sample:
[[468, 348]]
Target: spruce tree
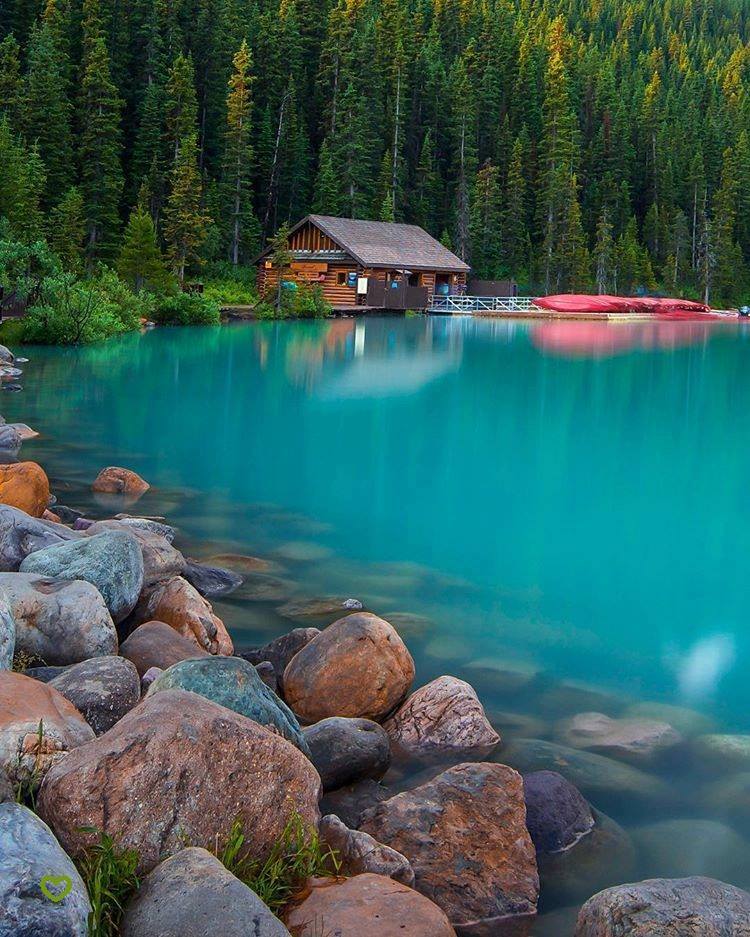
[[485, 224], [604, 254], [185, 222], [326, 200], [514, 223], [21, 185], [67, 229], [140, 262], [11, 88]]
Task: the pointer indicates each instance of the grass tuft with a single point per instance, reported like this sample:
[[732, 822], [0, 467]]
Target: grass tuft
[[297, 855], [111, 880]]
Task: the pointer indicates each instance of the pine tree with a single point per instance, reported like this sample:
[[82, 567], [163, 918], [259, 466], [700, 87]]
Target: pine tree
[[426, 194], [238, 156], [185, 222], [485, 224], [514, 223], [21, 185], [181, 104], [604, 253], [11, 87], [67, 229], [326, 200], [728, 264], [99, 153], [140, 262], [281, 258]]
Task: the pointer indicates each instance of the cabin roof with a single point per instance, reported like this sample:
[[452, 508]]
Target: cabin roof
[[387, 244]]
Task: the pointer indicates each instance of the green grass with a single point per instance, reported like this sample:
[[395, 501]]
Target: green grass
[[295, 857], [11, 332], [111, 880]]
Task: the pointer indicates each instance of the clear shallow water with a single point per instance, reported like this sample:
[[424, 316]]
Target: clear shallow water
[[569, 499]]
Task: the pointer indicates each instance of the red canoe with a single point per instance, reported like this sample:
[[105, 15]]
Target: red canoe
[[582, 303]]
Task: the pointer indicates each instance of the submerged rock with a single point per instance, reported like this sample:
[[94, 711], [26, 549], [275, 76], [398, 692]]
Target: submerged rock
[[38, 727], [638, 741], [365, 906], [111, 561], [465, 834], [120, 481], [24, 485], [59, 621], [229, 768], [663, 907], [600, 779], [726, 752], [557, 814], [234, 683], [358, 852], [687, 722], [356, 667], [21, 535], [327, 608], [347, 750], [191, 894], [691, 846], [442, 720], [183, 608], [211, 581], [102, 689], [157, 644], [32, 859]]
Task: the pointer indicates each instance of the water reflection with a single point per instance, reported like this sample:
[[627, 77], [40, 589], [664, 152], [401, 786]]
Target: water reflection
[[606, 339]]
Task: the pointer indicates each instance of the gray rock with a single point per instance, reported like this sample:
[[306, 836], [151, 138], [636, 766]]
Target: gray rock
[[235, 684], [7, 633], [10, 438], [148, 678], [191, 894], [6, 356], [102, 689], [67, 515], [59, 621], [661, 907], [281, 650], [268, 675], [31, 854], [152, 526], [111, 561], [557, 814], [347, 750], [46, 674], [351, 802], [7, 794], [21, 535], [358, 852], [211, 581], [682, 847], [687, 721], [723, 752], [160, 559], [636, 740], [600, 779]]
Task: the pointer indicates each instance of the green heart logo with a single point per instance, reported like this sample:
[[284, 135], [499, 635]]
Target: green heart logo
[[56, 887]]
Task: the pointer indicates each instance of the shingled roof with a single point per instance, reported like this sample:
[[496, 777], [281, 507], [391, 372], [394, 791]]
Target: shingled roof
[[386, 244]]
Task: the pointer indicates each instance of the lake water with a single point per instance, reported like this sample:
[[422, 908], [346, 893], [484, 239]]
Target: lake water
[[557, 512]]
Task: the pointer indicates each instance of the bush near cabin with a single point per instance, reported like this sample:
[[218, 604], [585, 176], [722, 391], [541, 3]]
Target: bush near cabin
[[304, 302]]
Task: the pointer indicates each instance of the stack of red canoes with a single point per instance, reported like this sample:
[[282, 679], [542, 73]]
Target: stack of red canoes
[[572, 303]]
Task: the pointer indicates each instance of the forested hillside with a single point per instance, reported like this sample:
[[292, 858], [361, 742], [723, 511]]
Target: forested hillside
[[599, 144]]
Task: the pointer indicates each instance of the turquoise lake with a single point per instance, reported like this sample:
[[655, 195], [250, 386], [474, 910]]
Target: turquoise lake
[[557, 512]]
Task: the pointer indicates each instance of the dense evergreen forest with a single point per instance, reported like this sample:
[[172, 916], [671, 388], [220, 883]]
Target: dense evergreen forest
[[573, 144]]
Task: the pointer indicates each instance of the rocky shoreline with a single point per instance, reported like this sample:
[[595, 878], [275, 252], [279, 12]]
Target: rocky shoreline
[[128, 717]]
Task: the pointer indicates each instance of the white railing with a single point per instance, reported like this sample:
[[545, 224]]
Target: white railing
[[472, 304]]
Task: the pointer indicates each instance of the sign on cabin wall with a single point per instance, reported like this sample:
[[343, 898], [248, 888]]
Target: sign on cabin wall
[[303, 266], [351, 278]]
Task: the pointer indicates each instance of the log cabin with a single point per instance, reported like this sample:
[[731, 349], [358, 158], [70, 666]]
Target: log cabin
[[372, 265]]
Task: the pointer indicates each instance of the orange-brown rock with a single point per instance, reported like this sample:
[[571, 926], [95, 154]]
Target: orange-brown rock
[[25, 486], [183, 608], [465, 834], [38, 727], [120, 481], [179, 769], [51, 516], [356, 667], [157, 644], [365, 906]]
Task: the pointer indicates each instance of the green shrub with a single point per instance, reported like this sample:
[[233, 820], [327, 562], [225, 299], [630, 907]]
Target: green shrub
[[111, 880], [186, 309], [304, 302], [229, 292]]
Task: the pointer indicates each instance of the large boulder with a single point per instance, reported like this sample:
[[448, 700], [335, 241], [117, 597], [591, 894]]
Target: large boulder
[[24, 486], [356, 667], [102, 689], [639, 741], [602, 780], [181, 606], [114, 480], [465, 834], [111, 561], [234, 683], [156, 644], [724, 752], [191, 894], [21, 535], [365, 906], [211, 581], [7, 633], [347, 750], [557, 814], [687, 722], [59, 621], [662, 907], [7, 791], [160, 559], [38, 727], [440, 721], [33, 867], [351, 802], [358, 852], [180, 769], [678, 848], [281, 650], [10, 438]]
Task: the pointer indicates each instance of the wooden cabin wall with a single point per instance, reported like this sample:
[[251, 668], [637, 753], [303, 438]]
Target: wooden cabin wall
[[310, 238], [335, 293]]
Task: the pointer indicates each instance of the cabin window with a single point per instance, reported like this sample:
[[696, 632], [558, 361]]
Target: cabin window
[[341, 279], [415, 279]]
